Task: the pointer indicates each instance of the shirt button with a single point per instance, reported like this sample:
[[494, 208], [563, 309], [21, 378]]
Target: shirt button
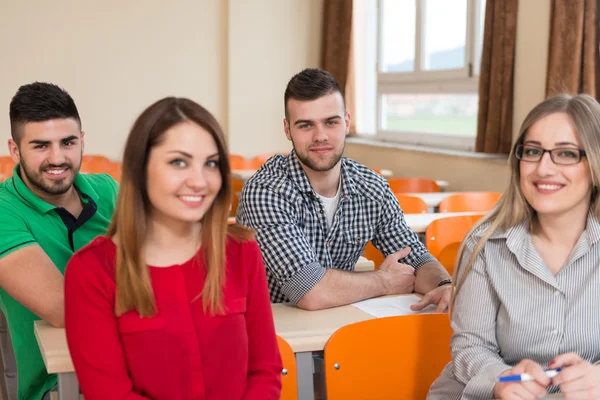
[[326, 244], [555, 332], [557, 293]]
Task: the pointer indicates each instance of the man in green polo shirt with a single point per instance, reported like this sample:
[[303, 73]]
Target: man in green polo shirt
[[47, 212]]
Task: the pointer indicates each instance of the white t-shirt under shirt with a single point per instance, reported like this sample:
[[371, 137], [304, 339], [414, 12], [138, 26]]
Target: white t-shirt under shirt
[[330, 204]]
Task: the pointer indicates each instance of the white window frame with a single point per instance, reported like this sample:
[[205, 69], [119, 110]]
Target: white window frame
[[460, 80]]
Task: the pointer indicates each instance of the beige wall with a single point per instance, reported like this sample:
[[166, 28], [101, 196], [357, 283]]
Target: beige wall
[[468, 173], [117, 57], [269, 42]]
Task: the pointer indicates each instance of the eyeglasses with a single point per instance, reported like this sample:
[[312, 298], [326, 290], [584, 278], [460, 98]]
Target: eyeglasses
[[560, 155]]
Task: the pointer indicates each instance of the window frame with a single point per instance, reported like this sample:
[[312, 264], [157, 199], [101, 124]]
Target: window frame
[[454, 81]]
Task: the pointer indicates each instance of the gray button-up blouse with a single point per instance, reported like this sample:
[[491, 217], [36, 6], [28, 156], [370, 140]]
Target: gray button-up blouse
[[511, 307]]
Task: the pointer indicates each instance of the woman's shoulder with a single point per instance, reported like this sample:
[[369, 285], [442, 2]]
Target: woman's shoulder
[[241, 242], [99, 254]]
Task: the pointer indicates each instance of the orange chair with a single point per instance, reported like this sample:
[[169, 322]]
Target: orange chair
[[6, 169], [260, 159], [289, 389], [6, 165], [470, 201], [410, 205], [387, 358], [236, 188], [444, 231], [95, 164], [413, 185], [447, 256], [114, 170], [237, 161]]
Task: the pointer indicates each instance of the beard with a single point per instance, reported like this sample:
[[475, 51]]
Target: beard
[[51, 187], [319, 164]]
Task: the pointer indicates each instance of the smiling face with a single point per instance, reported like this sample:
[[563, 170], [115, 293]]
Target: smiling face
[[318, 129], [183, 176], [549, 188], [49, 153]]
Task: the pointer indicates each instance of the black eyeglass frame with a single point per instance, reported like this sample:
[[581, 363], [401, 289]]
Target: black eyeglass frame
[[519, 153]]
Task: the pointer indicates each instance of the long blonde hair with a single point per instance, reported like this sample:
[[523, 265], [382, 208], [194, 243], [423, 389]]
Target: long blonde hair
[[512, 208], [130, 220]]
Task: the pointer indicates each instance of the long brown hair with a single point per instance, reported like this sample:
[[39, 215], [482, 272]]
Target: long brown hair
[[131, 217], [512, 208]]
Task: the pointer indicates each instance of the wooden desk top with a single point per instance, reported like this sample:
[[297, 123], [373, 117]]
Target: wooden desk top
[[53, 346], [432, 199], [419, 222], [310, 330]]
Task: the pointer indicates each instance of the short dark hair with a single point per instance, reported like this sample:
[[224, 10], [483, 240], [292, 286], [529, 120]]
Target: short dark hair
[[310, 84], [39, 101]]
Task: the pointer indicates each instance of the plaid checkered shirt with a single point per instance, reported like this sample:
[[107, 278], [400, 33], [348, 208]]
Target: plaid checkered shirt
[[279, 203]]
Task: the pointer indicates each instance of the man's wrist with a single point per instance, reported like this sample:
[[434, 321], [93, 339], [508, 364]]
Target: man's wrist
[[445, 282]]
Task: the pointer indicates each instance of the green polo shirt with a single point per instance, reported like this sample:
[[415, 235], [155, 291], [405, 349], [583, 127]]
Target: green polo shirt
[[25, 219]]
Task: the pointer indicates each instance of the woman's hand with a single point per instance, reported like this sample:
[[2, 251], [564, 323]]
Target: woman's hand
[[578, 379], [527, 390]]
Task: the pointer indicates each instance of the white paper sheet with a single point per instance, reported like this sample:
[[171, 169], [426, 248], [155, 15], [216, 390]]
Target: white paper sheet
[[392, 306]]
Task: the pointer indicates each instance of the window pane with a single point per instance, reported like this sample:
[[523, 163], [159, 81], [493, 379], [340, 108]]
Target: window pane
[[398, 36], [444, 34], [442, 114]]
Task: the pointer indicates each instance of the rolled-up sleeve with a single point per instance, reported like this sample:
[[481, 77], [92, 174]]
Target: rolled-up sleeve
[[393, 234], [287, 253]]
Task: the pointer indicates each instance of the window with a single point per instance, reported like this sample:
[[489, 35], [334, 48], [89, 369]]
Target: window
[[419, 84]]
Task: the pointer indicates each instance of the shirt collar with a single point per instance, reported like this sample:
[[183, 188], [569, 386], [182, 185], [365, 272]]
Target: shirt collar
[[19, 187], [518, 241]]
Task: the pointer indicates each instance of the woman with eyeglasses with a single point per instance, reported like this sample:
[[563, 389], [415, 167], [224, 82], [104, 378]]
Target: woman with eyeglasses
[[524, 310], [173, 303]]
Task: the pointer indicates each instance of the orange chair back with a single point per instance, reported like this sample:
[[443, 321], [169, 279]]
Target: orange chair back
[[373, 254], [237, 161], [258, 160], [6, 160], [387, 358], [114, 170], [95, 164], [6, 165], [236, 185], [447, 256], [413, 185], [289, 389], [471, 201], [6, 169], [412, 204], [444, 231]]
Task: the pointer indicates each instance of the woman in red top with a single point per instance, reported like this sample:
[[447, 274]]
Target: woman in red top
[[173, 303]]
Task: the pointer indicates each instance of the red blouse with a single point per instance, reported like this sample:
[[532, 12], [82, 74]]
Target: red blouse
[[181, 353]]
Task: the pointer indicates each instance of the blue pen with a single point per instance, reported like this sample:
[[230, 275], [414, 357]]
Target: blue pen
[[551, 373]]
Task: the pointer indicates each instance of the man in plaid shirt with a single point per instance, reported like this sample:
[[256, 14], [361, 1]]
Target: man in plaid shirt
[[314, 211]]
